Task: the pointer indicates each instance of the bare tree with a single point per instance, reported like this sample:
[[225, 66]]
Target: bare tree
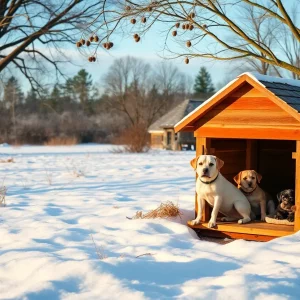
[[172, 84], [202, 27], [34, 33], [167, 78], [262, 27], [265, 30], [142, 92], [127, 84], [288, 42]]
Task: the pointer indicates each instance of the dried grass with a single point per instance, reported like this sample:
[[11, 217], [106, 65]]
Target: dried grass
[[100, 253], [78, 173], [8, 160], [144, 254], [61, 141], [3, 190], [49, 177], [165, 211]]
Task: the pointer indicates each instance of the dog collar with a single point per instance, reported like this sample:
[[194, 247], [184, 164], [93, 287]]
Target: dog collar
[[209, 182], [248, 193]]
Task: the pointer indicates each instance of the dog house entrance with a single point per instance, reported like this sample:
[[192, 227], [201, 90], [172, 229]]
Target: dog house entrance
[[273, 160]]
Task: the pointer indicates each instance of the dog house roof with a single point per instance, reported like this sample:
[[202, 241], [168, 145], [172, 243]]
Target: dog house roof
[[175, 115], [286, 92]]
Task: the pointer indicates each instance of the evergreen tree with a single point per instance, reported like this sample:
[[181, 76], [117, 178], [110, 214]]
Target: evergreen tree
[[31, 101], [55, 97], [13, 97], [68, 93], [203, 82], [82, 84], [13, 94], [31, 97]]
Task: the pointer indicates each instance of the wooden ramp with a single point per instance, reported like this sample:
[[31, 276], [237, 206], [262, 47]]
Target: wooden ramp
[[254, 231]]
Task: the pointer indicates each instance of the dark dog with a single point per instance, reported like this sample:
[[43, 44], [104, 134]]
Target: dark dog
[[286, 207]]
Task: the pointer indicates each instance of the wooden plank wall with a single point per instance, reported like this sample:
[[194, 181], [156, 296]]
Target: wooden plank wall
[[273, 160], [233, 153], [157, 140], [276, 165]]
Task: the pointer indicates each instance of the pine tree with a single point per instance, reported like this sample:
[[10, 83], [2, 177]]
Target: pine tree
[[13, 94], [203, 82], [82, 84], [68, 93], [55, 97], [13, 97], [31, 97], [31, 101]]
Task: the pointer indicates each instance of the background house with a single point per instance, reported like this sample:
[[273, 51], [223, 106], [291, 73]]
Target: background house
[[162, 131]]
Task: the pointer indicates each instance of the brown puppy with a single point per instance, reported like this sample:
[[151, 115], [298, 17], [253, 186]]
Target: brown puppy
[[261, 202]]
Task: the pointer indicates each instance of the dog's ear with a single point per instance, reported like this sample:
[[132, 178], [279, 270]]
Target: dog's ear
[[193, 162], [237, 178], [220, 162], [258, 176], [279, 196]]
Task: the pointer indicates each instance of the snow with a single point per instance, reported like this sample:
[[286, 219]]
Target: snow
[[4, 145], [59, 198]]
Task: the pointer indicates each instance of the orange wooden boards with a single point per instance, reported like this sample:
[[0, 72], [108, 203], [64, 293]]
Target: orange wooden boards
[[253, 228]]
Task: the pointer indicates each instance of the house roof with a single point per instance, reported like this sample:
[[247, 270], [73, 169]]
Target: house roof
[[175, 115], [288, 91], [285, 92]]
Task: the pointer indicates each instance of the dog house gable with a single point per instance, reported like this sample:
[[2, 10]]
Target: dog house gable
[[247, 108]]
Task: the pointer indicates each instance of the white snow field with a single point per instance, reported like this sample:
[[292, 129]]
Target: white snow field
[[59, 198]]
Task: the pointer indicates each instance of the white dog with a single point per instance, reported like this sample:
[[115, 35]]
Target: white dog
[[223, 196]]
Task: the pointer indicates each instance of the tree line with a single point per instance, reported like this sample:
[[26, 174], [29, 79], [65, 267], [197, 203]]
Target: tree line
[[133, 95]]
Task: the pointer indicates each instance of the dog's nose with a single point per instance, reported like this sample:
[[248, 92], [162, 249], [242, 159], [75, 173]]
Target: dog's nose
[[250, 184], [205, 170]]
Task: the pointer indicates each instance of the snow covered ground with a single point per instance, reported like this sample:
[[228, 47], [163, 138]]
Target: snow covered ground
[[59, 198]]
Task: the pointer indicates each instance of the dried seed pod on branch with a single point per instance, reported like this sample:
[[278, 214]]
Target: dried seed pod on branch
[[213, 22], [188, 44]]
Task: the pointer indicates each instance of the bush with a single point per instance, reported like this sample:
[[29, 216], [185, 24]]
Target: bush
[[61, 141], [134, 139], [65, 129]]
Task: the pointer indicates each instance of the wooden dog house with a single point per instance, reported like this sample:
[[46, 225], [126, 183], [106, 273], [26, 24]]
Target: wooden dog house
[[252, 123]]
